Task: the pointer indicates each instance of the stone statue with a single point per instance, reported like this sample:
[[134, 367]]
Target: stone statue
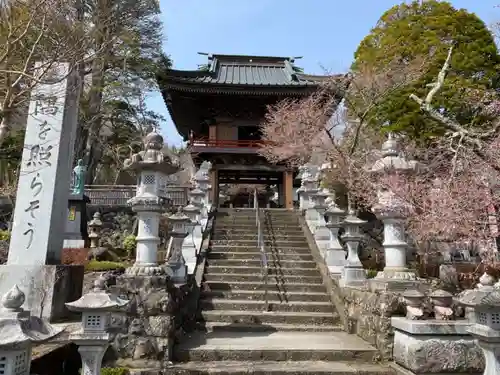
[[79, 177]]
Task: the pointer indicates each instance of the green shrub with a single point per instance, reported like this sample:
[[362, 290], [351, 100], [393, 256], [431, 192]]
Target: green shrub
[[370, 274], [114, 371], [4, 235], [129, 244], [97, 266]]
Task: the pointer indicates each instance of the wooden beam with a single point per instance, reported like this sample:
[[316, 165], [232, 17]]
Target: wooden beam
[[241, 167]]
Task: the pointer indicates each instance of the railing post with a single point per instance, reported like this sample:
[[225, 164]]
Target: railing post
[[261, 247]]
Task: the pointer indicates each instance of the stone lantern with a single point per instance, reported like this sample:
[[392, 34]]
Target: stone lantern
[[353, 269], [151, 166], [18, 330], [176, 262], [308, 184], [486, 330], [315, 219], [335, 253], [196, 197], [202, 180], [93, 339], [94, 227], [194, 236], [391, 211]]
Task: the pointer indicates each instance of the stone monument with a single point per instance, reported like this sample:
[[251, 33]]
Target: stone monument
[[42, 199]]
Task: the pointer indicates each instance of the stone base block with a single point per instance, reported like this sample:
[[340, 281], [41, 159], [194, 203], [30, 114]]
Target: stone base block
[[335, 260], [436, 347], [393, 285], [396, 274], [353, 275], [47, 288], [145, 335], [74, 244], [178, 272], [189, 254]]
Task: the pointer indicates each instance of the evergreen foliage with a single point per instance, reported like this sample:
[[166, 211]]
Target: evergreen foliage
[[413, 30]]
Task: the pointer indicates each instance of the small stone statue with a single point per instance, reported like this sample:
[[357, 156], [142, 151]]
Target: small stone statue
[[79, 177], [414, 304], [442, 301]]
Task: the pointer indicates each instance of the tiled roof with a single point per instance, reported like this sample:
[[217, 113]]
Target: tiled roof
[[234, 70]]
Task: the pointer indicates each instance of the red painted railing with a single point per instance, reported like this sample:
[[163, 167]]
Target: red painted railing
[[223, 143]]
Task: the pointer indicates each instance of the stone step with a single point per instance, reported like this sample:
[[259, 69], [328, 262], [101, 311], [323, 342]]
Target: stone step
[[252, 217], [279, 368], [281, 250], [264, 317], [252, 226], [272, 270], [239, 256], [280, 243], [237, 286], [274, 346], [273, 295], [253, 237], [245, 327], [272, 279], [264, 223], [252, 231], [249, 305], [271, 261]]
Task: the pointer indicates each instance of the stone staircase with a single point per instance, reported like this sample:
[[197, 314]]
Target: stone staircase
[[298, 334]]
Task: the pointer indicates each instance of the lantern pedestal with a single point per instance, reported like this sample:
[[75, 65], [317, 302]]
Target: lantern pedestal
[[335, 254], [193, 239], [395, 248], [175, 261], [148, 211], [91, 357], [353, 270]]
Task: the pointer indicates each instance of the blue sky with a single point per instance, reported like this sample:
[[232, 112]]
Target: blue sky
[[325, 32]]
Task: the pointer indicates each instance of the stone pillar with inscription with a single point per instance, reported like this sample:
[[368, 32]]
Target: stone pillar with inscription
[[40, 214], [150, 165]]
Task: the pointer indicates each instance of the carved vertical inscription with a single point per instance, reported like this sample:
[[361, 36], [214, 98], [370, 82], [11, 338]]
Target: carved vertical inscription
[[39, 197]]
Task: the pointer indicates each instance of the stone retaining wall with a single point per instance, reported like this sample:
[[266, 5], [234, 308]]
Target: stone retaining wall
[[369, 315]]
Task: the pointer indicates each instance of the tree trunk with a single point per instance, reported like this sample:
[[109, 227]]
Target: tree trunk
[[93, 146], [5, 125]]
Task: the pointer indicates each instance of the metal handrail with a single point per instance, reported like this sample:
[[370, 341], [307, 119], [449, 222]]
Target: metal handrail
[[261, 247]]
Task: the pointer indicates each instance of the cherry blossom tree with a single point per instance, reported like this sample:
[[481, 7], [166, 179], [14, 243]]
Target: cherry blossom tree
[[449, 198]]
